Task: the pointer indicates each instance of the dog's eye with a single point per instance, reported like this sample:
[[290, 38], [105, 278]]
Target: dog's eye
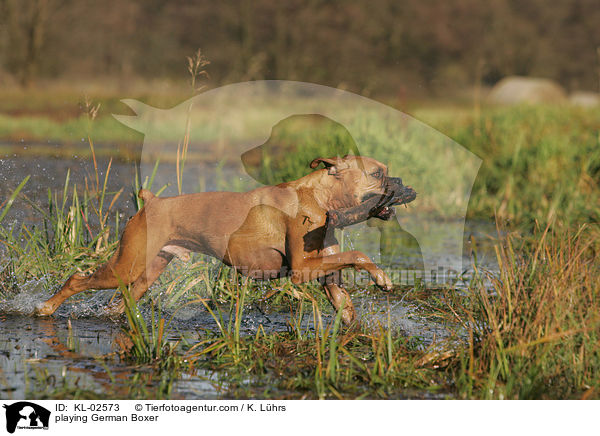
[[378, 174]]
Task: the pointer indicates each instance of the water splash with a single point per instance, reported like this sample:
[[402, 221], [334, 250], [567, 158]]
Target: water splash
[[27, 296]]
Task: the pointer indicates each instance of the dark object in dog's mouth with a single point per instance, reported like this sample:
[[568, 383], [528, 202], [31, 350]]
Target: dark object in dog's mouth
[[373, 206], [384, 209], [407, 195]]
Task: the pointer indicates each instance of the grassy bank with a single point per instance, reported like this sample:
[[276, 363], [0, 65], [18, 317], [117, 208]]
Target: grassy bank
[[537, 161]]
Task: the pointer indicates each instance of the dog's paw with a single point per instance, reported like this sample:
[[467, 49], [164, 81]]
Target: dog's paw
[[43, 309], [383, 281]]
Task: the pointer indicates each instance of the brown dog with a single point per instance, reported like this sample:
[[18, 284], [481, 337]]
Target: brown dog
[[270, 232]]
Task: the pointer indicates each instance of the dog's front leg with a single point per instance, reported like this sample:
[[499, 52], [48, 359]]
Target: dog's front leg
[[306, 269], [313, 253], [339, 297]]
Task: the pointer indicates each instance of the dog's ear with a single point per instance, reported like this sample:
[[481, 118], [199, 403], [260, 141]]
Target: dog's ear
[[329, 163]]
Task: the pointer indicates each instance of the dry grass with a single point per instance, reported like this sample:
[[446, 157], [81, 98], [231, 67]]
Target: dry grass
[[537, 334]]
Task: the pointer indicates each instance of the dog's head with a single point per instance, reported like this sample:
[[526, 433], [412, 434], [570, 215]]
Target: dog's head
[[355, 181]]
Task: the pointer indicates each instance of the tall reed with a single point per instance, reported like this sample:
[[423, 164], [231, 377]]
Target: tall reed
[[537, 334]]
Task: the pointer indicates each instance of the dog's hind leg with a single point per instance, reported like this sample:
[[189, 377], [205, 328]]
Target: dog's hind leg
[[143, 282], [103, 278], [123, 268], [108, 276]]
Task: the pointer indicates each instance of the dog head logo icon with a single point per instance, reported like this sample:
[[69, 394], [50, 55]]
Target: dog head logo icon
[[25, 414]]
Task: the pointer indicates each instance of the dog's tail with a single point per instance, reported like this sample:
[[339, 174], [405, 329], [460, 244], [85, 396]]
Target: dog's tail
[[145, 195]]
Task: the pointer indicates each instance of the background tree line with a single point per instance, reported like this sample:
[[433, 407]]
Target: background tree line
[[381, 46]]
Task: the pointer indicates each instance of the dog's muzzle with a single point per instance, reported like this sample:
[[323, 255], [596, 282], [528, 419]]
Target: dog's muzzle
[[374, 205]]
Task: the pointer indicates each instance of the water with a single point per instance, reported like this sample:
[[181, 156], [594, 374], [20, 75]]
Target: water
[[49, 173], [49, 352], [42, 350]]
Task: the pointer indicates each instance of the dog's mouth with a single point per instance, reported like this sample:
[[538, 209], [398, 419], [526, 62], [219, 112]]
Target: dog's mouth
[[395, 194], [374, 205], [385, 213]]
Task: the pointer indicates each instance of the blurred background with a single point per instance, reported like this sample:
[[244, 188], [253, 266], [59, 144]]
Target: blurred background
[[387, 48]]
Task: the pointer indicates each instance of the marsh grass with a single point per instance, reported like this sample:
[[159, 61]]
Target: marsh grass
[[314, 359], [148, 339], [537, 334], [325, 363], [538, 161]]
